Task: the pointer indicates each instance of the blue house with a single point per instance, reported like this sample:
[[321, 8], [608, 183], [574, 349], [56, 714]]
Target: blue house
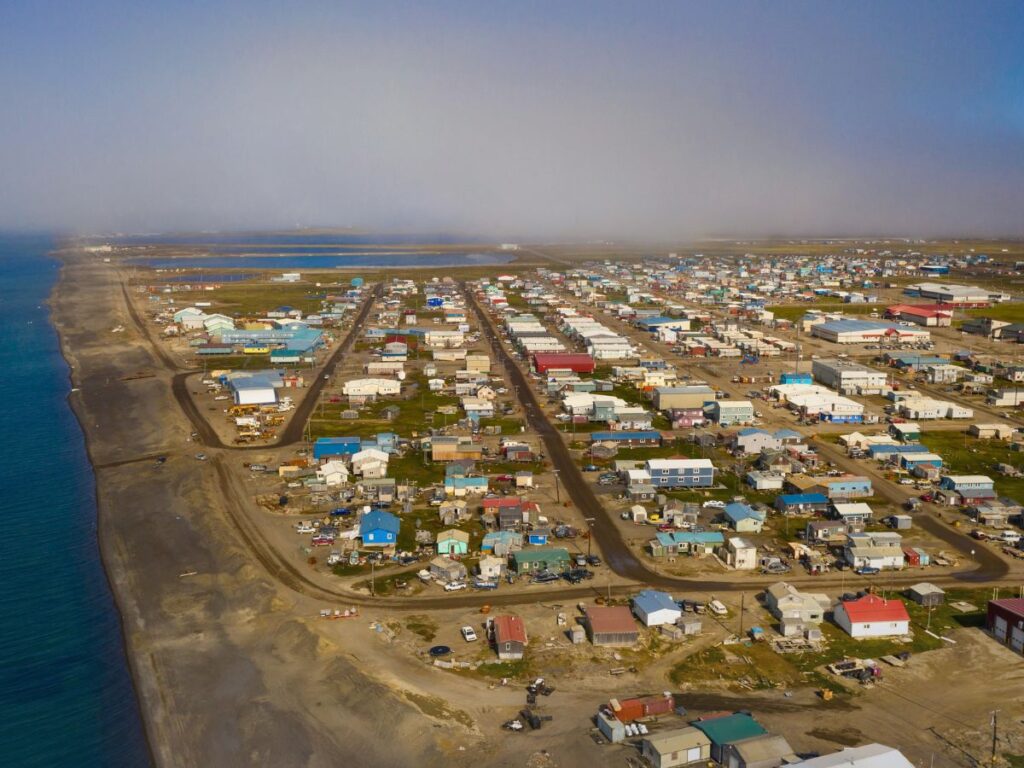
[[963, 483], [379, 529], [681, 473], [326, 447], [383, 441], [637, 437], [883, 452], [675, 542], [911, 460], [802, 502], [457, 485], [743, 518], [502, 543], [538, 537]]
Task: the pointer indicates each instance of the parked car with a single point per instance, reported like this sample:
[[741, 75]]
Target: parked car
[[454, 586], [714, 504], [468, 634], [591, 468], [868, 570]]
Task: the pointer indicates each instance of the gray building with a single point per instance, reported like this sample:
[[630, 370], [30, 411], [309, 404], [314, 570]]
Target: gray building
[[848, 377]]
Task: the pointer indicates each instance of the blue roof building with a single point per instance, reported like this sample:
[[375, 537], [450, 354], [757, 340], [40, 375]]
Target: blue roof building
[[325, 447], [379, 529], [654, 608], [802, 502], [743, 518]]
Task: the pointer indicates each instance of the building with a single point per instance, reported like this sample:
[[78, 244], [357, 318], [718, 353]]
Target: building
[[327, 447], [729, 729], [768, 751], [563, 361], [957, 295], [881, 550], [795, 610], [801, 503], [1006, 622], [752, 440], [682, 746], [611, 625], [447, 571], [729, 412], [379, 529], [848, 331], [654, 608], [929, 315], [743, 518], [452, 542], [740, 554], [509, 637], [554, 559], [371, 388], [872, 616], [681, 473], [926, 594], [868, 756], [683, 398], [848, 377], [444, 448]]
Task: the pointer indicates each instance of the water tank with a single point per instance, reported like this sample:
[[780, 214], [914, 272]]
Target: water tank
[[356, 282]]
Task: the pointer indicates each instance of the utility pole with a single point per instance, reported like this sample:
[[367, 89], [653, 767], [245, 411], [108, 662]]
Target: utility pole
[[743, 602], [373, 574], [995, 737]]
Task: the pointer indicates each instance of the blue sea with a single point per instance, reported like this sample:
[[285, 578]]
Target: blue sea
[[66, 697]]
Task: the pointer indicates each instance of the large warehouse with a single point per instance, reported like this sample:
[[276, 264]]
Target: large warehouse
[[959, 295], [865, 331], [563, 361], [848, 377]]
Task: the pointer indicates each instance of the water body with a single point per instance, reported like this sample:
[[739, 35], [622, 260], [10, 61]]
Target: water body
[[302, 260], [66, 697]]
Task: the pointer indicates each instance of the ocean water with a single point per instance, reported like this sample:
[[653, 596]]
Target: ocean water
[[66, 697]]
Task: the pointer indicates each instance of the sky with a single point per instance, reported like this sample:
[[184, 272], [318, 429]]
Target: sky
[[637, 120]]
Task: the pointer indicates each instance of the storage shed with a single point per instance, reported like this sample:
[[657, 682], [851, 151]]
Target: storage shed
[[611, 625], [926, 594]]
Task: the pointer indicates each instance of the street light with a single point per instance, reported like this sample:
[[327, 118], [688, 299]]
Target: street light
[[558, 496]]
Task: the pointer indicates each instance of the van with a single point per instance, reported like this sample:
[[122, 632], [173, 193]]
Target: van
[[1009, 537]]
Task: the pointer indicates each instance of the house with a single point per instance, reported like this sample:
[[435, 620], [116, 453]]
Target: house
[[751, 440], [854, 515], [743, 518], [874, 550], [698, 543], [509, 636], [654, 608], [332, 473], [453, 542], [825, 532], [868, 756], [446, 570], [554, 559], [795, 610], [966, 489], [628, 437], [729, 729], [872, 616], [768, 751], [460, 487], [444, 448], [453, 512], [681, 473], [610, 625], [801, 503], [502, 543], [740, 554], [926, 594], [1005, 621], [843, 487], [729, 412], [379, 529], [765, 481], [680, 746]]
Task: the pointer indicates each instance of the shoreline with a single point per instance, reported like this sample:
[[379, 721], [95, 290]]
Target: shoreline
[[134, 672]]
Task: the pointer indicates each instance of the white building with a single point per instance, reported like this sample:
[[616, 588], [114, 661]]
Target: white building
[[371, 387], [872, 616], [849, 377], [740, 554]]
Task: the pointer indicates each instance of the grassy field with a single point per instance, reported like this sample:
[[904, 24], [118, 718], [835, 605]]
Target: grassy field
[[796, 311], [966, 455], [757, 665], [1011, 312], [256, 298]]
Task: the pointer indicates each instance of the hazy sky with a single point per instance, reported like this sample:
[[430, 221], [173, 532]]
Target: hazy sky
[[542, 119]]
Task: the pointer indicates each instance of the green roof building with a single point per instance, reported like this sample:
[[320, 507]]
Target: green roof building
[[540, 559], [729, 730]]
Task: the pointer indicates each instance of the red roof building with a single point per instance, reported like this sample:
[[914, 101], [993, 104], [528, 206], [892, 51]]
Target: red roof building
[[873, 616], [611, 625], [503, 502], [1006, 622], [922, 314], [563, 361], [509, 636]]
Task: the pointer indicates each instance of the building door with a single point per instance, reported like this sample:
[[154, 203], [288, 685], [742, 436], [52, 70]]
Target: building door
[[999, 628], [1017, 639]]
